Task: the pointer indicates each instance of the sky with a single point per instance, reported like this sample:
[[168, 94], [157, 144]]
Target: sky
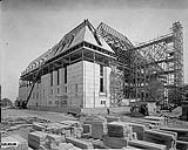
[[31, 27]]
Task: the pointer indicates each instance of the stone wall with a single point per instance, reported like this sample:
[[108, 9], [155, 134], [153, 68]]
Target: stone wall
[[75, 84], [91, 79], [82, 89]]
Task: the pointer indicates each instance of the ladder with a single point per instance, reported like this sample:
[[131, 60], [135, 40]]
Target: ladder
[[24, 104]]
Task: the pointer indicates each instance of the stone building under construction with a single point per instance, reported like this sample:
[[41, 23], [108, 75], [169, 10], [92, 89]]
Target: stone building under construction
[[99, 67]]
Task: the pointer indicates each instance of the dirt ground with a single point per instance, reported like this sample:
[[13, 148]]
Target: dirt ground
[[51, 116], [15, 113]]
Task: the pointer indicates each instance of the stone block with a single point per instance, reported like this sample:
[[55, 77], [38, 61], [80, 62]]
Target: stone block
[[53, 141], [181, 132], [79, 143], [87, 128], [98, 130], [168, 132], [99, 144], [138, 129], [56, 138], [146, 145], [35, 139], [183, 145], [160, 138], [115, 142], [67, 133], [119, 129]]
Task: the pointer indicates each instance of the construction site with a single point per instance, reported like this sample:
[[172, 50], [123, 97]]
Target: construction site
[[102, 92], [121, 71]]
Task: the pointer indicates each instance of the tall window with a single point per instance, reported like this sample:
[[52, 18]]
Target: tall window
[[101, 85], [58, 76], [65, 75], [101, 78], [51, 76], [101, 70]]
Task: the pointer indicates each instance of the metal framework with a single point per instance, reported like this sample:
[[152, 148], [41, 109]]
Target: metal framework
[[159, 60]]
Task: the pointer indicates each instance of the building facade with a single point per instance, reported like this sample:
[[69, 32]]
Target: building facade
[[97, 68]]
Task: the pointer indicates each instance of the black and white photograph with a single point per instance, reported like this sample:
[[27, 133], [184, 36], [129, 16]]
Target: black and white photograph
[[94, 74]]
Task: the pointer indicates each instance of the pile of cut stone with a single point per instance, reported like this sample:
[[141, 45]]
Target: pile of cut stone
[[66, 128], [47, 141], [97, 132]]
